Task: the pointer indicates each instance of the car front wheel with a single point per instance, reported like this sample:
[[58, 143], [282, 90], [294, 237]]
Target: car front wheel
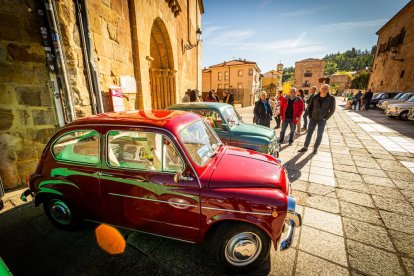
[[404, 115], [240, 247], [60, 213]]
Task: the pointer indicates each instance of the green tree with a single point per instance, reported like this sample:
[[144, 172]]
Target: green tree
[[351, 60], [360, 80], [288, 74], [330, 67]]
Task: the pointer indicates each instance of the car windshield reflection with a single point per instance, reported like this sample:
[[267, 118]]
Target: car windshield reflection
[[200, 140]]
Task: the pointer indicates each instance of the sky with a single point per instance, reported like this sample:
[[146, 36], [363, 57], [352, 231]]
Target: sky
[[273, 31]]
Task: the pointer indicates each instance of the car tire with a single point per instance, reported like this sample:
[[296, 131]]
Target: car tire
[[403, 115], [372, 106], [61, 213], [242, 235]]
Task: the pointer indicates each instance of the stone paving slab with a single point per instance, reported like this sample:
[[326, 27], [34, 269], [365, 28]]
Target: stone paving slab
[[356, 197]]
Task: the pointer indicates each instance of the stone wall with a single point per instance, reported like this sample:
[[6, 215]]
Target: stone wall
[[27, 117], [395, 74], [122, 36], [111, 34]]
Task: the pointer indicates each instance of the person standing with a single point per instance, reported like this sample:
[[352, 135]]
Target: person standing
[[291, 109], [367, 98], [312, 92], [186, 98], [321, 108], [228, 98], [194, 96], [210, 97], [357, 101], [301, 95], [215, 96], [275, 104], [263, 110]]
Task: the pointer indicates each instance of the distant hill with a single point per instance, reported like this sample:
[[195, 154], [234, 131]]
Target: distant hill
[[351, 60]]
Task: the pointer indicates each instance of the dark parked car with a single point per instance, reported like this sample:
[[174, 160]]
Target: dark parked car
[[229, 126], [381, 96], [167, 173]]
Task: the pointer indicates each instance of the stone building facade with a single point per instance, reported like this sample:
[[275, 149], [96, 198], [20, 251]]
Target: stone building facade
[[236, 75], [152, 43], [272, 80], [339, 82], [393, 68], [308, 72]]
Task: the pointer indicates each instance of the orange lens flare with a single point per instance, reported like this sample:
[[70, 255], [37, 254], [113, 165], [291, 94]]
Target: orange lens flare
[[110, 240]]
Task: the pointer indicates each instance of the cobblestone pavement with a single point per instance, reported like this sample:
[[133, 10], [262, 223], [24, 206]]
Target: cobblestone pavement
[[356, 197]]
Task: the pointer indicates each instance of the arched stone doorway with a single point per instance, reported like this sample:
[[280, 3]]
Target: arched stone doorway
[[162, 73]]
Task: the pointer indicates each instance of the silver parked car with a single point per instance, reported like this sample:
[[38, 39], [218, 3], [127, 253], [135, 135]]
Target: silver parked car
[[402, 99], [400, 110], [396, 97], [410, 115]]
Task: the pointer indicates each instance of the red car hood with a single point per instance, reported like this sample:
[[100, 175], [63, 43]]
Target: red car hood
[[246, 168]]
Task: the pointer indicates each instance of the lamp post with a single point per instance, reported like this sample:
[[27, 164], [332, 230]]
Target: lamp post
[[188, 46]]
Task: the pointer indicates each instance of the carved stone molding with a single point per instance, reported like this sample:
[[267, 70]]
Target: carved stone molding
[[174, 6]]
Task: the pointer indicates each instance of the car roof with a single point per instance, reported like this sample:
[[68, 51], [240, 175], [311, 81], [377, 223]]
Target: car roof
[[200, 105], [159, 118]]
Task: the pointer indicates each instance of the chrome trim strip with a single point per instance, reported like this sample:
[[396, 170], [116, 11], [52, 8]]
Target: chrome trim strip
[[171, 224], [154, 200], [236, 211], [135, 230]]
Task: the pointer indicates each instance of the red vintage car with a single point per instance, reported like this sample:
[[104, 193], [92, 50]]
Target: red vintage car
[[167, 173]]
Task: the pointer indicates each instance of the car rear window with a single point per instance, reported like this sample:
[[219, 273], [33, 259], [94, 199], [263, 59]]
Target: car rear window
[[77, 147]]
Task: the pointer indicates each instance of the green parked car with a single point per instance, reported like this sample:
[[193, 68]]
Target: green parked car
[[231, 129]]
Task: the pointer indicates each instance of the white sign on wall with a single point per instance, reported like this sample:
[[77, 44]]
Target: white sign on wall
[[128, 84]]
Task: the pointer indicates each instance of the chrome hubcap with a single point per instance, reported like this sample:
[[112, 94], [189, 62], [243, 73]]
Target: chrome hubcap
[[243, 249], [60, 211]]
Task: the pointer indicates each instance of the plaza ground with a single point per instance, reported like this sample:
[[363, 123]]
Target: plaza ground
[[356, 197]]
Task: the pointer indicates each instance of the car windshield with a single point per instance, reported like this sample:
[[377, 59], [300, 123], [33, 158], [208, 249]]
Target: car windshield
[[377, 96], [411, 100], [231, 117], [396, 97], [406, 96], [200, 140]]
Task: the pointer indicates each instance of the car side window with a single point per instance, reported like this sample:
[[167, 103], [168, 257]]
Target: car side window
[[77, 147], [212, 117], [143, 151]]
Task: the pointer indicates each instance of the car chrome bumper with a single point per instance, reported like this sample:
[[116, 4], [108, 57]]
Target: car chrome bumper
[[292, 220], [392, 113]]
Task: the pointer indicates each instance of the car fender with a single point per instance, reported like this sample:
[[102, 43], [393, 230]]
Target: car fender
[[56, 188], [259, 221]]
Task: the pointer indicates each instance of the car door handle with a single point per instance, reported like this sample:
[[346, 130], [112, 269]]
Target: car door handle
[[103, 174]]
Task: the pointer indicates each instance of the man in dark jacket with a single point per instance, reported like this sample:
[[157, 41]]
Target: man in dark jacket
[[312, 92], [357, 100], [321, 108], [262, 110], [367, 98], [228, 98]]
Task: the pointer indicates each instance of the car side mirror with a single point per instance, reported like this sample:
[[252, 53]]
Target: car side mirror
[[224, 127], [178, 177]]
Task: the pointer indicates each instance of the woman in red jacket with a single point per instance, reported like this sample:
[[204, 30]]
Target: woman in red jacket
[[291, 109]]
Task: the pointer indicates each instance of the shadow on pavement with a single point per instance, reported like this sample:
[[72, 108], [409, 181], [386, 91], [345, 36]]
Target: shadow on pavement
[[30, 244]]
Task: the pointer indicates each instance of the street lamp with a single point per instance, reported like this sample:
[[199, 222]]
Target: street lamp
[[189, 46]]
